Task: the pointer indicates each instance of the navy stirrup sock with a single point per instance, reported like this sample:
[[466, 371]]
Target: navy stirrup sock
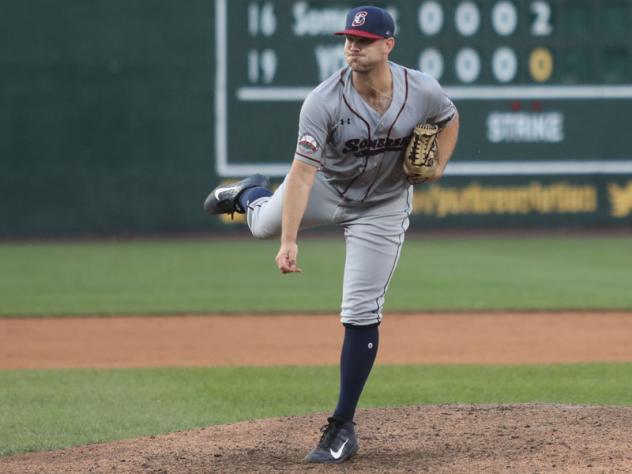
[[356, 360], [251, 195]]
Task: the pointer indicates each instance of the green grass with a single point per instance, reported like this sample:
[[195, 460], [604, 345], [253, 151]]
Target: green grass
[[240, 276], [41, 410]]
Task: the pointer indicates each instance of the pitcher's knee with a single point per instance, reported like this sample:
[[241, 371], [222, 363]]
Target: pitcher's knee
[[260, 234], [262, 231]]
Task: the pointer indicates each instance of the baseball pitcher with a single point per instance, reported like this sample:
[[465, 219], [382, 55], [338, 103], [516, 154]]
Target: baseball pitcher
[[366, 135]]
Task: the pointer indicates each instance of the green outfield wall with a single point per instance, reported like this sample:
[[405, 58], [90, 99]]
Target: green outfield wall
[[106, 117], [117, 116]]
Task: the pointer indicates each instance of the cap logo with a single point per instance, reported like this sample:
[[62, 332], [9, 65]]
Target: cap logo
[[359, 19]]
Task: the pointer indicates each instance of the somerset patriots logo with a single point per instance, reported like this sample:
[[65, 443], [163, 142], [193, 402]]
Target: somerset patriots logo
[[359, 19], [307, 144]]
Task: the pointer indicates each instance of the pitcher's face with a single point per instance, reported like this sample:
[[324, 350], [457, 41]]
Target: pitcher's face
[[363, 54]]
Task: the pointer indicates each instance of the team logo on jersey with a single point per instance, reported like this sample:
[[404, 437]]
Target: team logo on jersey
[[359, 19], [363, 147], [307, 144]]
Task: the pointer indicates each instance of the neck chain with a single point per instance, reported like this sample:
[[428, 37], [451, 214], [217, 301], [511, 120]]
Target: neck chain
[[380, 93]]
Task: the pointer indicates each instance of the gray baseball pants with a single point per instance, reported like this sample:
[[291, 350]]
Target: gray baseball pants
[[374, 235]]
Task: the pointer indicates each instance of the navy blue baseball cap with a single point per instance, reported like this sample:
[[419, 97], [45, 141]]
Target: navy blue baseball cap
[[369, 22]]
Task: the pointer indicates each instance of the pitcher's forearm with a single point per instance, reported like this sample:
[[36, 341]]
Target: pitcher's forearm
[[446, 141], [297, 189]]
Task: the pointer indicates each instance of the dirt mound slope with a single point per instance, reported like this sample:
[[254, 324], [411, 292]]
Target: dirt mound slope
[[445, 438]]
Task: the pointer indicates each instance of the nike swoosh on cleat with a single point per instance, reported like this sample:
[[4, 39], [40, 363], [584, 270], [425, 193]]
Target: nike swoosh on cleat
[[220, 190], [337, 454]]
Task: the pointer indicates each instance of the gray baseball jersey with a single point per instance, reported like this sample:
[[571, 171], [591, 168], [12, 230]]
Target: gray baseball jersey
[[359, 151], [360, 184]]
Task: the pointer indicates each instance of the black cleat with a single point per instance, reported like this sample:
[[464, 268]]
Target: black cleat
[[337, 444], [224, 199]]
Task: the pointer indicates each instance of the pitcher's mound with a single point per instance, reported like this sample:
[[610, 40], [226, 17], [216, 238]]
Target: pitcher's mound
[[445, 438]]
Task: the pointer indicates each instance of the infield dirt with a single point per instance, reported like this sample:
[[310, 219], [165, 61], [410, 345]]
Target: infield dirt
[[443, 338], [445, 439]]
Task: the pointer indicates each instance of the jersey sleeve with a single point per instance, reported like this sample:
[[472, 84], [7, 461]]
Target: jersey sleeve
[[312, 131], [440, 107]]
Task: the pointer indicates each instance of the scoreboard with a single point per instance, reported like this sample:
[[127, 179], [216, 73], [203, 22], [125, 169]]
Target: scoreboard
[[542, 86]]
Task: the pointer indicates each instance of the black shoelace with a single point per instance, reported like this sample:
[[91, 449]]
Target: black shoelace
[[329, 431]]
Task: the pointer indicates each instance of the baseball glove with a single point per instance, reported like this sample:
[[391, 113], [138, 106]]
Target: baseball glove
[[420, 156]]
